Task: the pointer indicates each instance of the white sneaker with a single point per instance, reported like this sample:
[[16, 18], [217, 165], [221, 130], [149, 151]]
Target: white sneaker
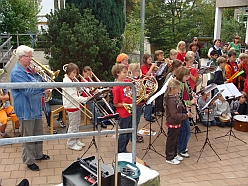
[[179, 158], [186, 155], [186, 150], [174, 161], [75, 147], [79, 143]]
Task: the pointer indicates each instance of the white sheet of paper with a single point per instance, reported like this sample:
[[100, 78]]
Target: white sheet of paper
[[230, 90], [162, 90]]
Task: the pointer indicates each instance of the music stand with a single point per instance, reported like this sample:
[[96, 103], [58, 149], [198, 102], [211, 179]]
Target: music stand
[[150, 143], [93, 99], [206, 90], [207, 141], [93, 141], [206, 70], [230, 93], [195, 127], [161, 130]]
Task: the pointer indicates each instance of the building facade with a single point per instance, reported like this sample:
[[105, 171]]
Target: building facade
[[220, 4]]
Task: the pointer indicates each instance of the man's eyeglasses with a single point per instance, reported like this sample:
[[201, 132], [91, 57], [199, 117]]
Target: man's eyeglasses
[[28, 56]]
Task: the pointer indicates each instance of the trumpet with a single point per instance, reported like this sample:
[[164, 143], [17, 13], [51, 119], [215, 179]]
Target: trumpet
[[155, 68]]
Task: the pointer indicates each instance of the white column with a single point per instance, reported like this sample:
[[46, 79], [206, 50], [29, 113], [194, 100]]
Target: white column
[[217, 24], [246, 35]]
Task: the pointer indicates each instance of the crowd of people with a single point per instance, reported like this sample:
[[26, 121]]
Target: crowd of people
[[179, 71]]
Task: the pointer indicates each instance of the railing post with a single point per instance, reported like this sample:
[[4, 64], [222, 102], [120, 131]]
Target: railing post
[[17, 39]]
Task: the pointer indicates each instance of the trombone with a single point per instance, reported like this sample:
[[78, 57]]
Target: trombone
[[91, 94], [49, 76]]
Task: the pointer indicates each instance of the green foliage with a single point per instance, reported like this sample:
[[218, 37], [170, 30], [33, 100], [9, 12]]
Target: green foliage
[[131, 36], [19, 16], [109, 12], [231, 28], [83, 40], [168, 22]]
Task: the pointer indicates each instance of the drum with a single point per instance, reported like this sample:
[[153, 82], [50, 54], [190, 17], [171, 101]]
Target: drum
[[241, 123], [224, 119]]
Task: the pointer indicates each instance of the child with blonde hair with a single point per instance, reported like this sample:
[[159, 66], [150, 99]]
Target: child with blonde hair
[[174, 118]]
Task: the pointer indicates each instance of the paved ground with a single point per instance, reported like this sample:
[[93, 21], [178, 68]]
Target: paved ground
[[232, 169]]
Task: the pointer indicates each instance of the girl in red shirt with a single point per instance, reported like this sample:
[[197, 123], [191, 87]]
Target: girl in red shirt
[[181, 50]]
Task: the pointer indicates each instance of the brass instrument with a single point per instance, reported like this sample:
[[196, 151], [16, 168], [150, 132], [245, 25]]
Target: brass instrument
[[1, 71], [2, 102], [48, 96], [90, 94], [49, 76], [140, 93], [42, 68], [155, 68], [151, 86]]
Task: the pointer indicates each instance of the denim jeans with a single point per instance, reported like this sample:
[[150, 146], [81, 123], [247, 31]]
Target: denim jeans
[[47, 109], [148, 111], [209, 123], [95, 111], [138, 115], [184, 136], [124, 138]]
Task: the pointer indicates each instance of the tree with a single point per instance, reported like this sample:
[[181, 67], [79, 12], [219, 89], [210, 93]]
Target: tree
[[170, 21], [19, 16], [79, 39], [131, 36], [231, 28], [109, 12]]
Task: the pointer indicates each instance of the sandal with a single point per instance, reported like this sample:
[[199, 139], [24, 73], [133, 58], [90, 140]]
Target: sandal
[[44, 157]]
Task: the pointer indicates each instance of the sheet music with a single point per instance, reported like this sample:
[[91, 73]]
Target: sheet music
[[211, 101], [230, 90], [162, 90]]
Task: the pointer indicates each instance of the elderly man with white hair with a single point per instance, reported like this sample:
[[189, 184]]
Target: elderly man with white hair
[[28, 107]]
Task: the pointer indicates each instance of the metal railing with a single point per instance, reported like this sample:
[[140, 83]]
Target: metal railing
[[79, 134], [5, 50]]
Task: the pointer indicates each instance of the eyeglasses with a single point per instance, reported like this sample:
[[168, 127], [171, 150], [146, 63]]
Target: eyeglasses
[[28, 56]]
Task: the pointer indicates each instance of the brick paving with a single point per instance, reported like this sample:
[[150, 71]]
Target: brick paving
[[232, 169], [209, 170]]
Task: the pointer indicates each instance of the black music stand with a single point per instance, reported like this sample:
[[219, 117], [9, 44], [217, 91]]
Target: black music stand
[[195, 128], [206, 70], [150, 144], [207, 141], [93, 141], [230, 92], [230, 133], [205, 90], [161, 131]]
